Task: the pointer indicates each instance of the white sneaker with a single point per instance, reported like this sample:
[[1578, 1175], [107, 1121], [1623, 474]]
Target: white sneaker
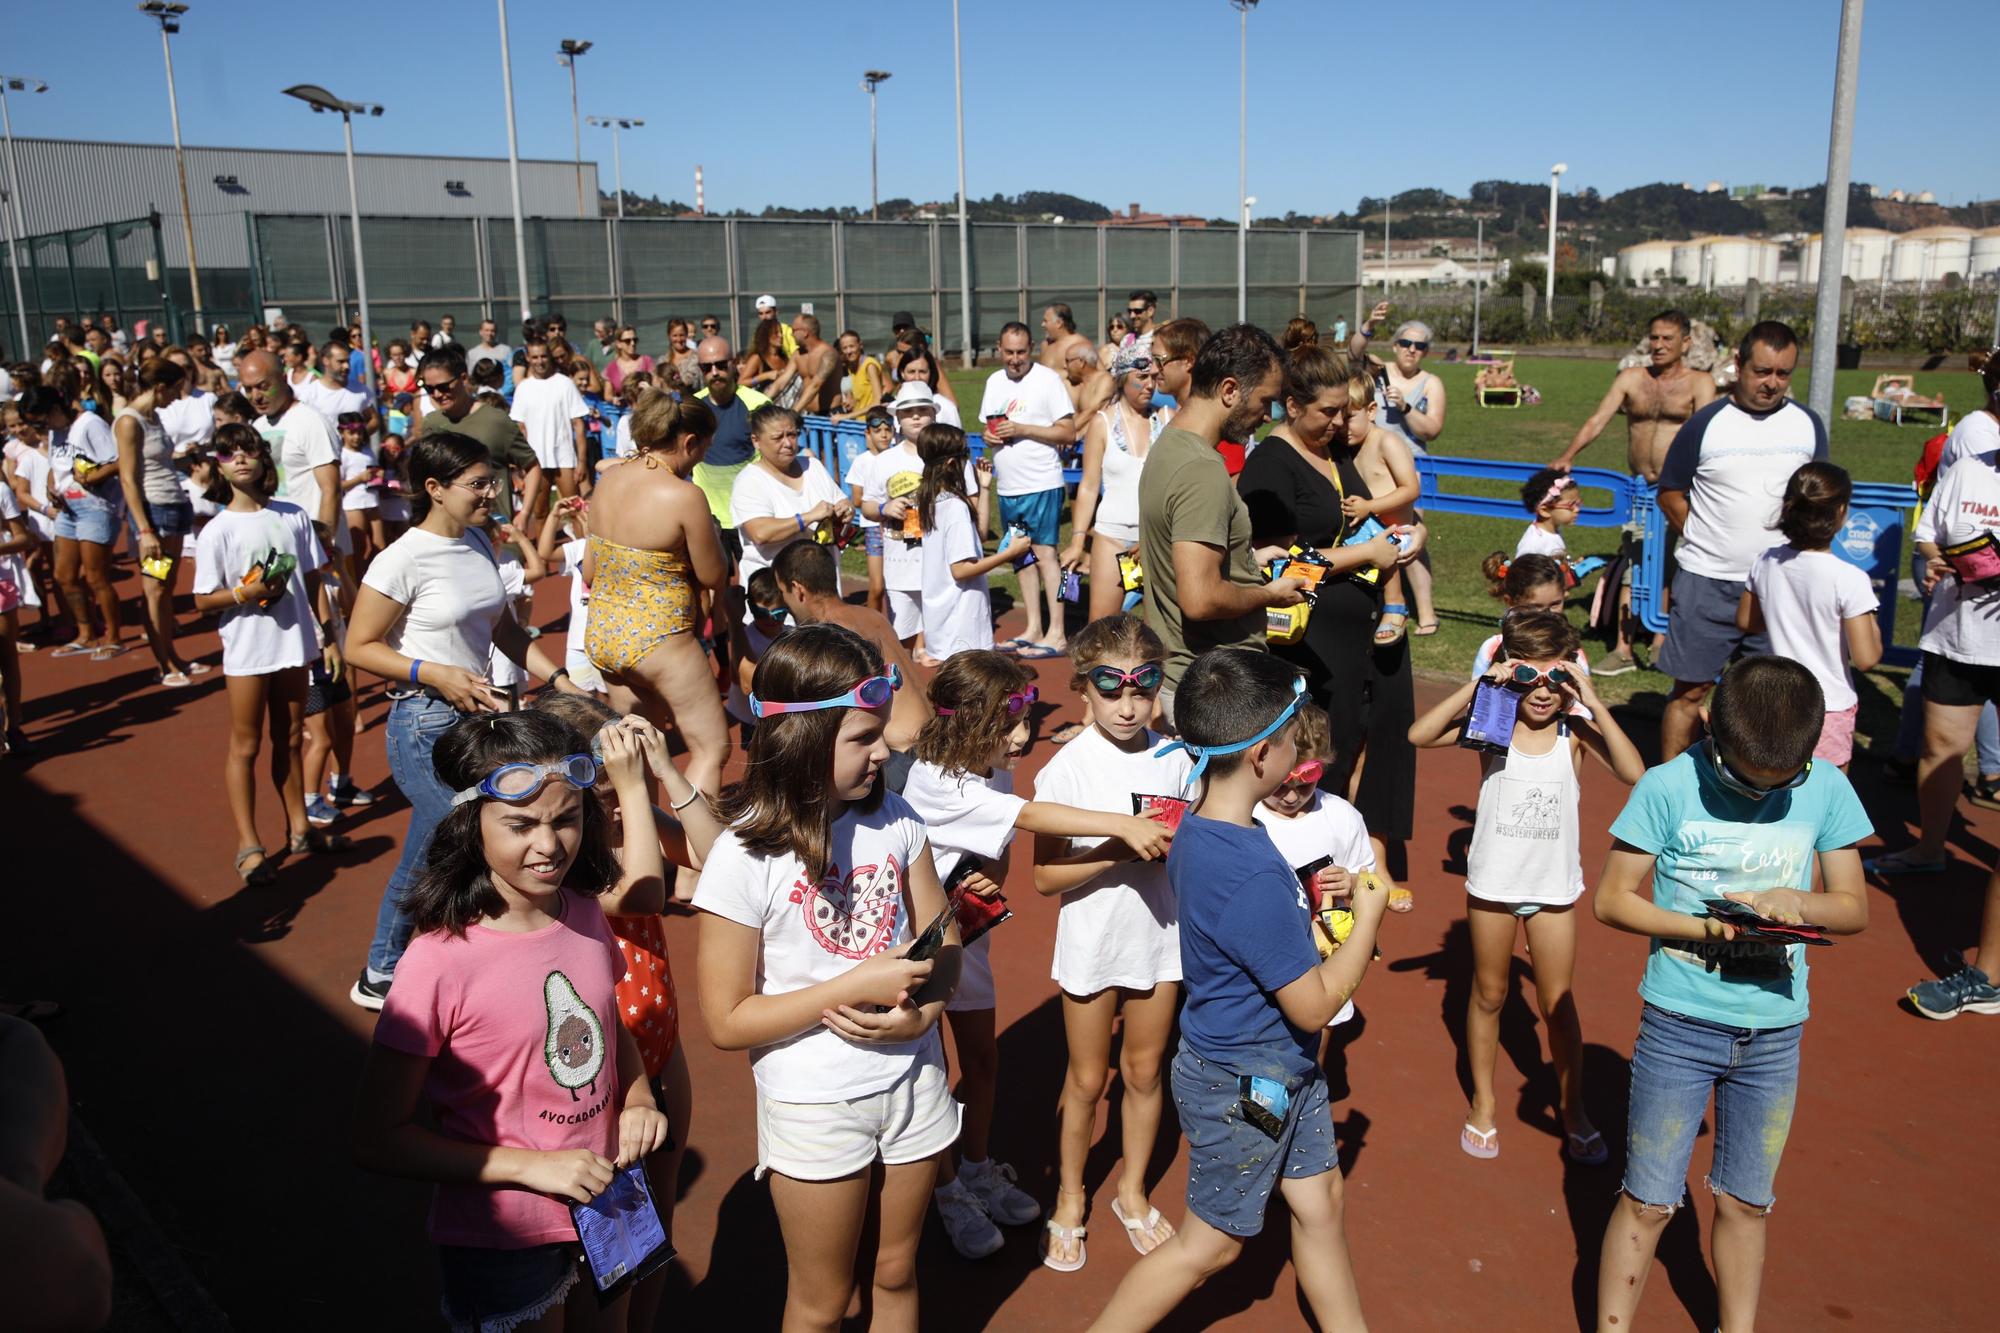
[[972, 1232], [993, 1185]]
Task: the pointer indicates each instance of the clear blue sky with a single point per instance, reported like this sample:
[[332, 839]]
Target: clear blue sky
[[1114, 102]]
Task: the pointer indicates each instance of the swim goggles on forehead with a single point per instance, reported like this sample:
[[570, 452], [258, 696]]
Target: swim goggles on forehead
[[1017, 703], [520, 782], [1733, 781], [1203, 753], [1109, 680], [875, 692]]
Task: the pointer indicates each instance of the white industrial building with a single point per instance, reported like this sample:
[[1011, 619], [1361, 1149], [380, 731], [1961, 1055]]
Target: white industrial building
[[1985, 254], [1725, 261], [1647, 264], [1867, 252], [1929, 253]]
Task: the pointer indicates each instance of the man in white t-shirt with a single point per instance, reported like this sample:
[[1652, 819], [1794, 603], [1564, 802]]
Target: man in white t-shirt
[[328, 392], [303, 443], [1720, 486], [490, 347], [551, 413], [1029, 422]]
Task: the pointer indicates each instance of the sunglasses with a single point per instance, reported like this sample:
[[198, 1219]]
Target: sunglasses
[[225, 452], [1413, 344], [1137, 310], [520, 782], [1306, 774], [628, 340], [1742, 786], [709, 326], [1109, 681], [1525, 678], [1017, 703], [712, 366], [875, 692], [442, 389]]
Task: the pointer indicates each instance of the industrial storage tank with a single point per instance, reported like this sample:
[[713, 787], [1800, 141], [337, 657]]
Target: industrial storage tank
[[1649, 263], [1985, 258], [1928, 253], [1726, 261], [1867, 250]]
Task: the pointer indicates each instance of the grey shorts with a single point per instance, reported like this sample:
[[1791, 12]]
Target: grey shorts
[[1232, 1165], [1701, 629]]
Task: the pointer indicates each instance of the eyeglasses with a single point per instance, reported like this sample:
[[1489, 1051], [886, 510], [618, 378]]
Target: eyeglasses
[[1525, 678], [1742, 786], [519, 782], [490, 486], [875, 692], [1413, 344], [1110, 682], [711, 367], [1306, 774], [1017, 703]]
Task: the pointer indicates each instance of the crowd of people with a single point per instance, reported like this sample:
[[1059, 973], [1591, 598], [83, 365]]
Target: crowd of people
[[1244, 569]]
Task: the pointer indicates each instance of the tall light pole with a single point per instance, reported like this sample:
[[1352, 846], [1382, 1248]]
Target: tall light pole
[[571, 49], [319, 99], [615, 124], [1549, 295], [1833, 220], [964, 236], [1388, 206], [169, 12], [870, 80], [1478, 276], [514, 169], [16, 232], [1243, 201]]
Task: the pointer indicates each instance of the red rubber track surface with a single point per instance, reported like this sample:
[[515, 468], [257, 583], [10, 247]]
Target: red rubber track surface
[[212, 1049]]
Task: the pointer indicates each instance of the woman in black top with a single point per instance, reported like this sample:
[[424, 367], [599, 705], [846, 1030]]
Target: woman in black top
[[1293, 484]]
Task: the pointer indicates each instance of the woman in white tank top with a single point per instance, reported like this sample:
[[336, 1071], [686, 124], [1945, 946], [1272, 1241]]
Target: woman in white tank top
[[1115, 445]]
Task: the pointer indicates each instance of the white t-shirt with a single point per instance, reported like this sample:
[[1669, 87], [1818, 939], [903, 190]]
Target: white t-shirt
[[1122, 928], [860, 477], [13, 569], [1976, 433], [958, 614], [256, 641], [355, 463], [758, 494], [813, 933], [1807, 597], [330, 403], [622, 443], [1732, 466], [1964, 619], [1329, 827], [189, 420], [89, 439], [32, 466], [1536, 542], [204, 508], [500, 668], [575, 659], [300, 440], [1038, 398], [902, 561], [452, 593], [546, 409], [966, 814]]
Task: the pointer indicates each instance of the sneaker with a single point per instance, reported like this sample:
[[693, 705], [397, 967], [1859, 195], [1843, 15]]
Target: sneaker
[[972, 1232], [1613, 663], [318, 812], [369, 994], [993, 1185], [1967, 990], [346, 794]]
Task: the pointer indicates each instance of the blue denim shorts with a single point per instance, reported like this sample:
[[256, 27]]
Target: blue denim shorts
[[498, 1289], [88, 518], [167, 519], [1039, 515], [871, 541], [1676, 1063], [1232, 1165]]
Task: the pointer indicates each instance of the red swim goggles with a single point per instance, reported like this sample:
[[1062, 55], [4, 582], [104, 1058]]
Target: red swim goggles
[[1109, 681], [1017, 703], [1306, 774], [875, 692]]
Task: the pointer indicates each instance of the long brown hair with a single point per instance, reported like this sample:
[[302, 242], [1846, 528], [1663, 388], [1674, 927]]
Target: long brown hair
[[786, 801], [944, 453], [970, 695]]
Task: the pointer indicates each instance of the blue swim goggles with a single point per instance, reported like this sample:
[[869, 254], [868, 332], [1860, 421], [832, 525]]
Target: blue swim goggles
[[519, 782], [1203, 753], [875, 692]]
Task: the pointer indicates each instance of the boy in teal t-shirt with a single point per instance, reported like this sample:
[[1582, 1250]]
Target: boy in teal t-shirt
[[1744, 815]]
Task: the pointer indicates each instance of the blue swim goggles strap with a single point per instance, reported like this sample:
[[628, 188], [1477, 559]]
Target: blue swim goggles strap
[[875, 692], [1203, 753]]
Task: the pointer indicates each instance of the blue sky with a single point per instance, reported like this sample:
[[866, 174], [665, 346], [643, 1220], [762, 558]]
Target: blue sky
[[1115, 102]]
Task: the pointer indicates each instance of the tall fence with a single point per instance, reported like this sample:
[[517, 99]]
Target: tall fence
[[113, 268], [855, 274]]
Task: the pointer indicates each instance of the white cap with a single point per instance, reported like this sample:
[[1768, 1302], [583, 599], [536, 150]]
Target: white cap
[[913, 393], [767, 302]]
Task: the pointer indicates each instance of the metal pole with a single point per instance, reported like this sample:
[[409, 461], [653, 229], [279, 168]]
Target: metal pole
[[514, 169], [187, 211], [964, 235], [1478, 276], [618, 170], [874, 161], [14, 233], [576, 130], [1385, 247], [360, 264], [1242, 163], [1833, 224], [1549, 286]]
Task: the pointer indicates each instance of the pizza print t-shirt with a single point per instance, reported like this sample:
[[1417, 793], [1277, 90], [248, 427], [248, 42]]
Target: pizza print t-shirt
[[814, 931]]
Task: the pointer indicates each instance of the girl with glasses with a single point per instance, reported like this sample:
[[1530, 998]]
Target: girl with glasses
[[1524, 870], [1115, 445], [962, 785], [1553, 499], [1117, 944], [505, 1019], [625, 360]]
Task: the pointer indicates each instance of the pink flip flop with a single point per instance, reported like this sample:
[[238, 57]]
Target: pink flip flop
[[1064, 1235]]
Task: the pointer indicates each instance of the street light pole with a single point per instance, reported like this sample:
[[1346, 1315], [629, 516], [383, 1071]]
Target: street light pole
[[16, 232], [514, 170], [1833, 221], [964, 236], [319, 99], [1549, 294], [169, 12], [1478, 276], [1243, 8], [615, 124], [869, 81], [571, 49]]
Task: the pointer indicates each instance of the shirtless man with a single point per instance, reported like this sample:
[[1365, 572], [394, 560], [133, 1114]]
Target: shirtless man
[[1059, 335], [1088, 383], [817, 363], [810, 583]]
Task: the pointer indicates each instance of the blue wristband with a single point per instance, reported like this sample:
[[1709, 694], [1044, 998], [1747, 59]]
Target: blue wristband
[[415, 662], [801, 521]]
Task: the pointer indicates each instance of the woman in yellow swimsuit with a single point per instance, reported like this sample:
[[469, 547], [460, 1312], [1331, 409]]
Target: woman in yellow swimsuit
[[653, 544]]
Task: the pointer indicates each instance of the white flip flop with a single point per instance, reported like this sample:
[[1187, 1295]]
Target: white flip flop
[[1136, 1229], [1065, 1234]]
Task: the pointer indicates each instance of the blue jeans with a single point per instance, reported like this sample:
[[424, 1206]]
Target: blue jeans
[[1676, 1063], [1910, 727], [415, 723]]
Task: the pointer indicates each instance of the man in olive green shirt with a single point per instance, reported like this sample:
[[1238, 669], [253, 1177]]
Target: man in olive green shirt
[[1203, 589], [441, 374]]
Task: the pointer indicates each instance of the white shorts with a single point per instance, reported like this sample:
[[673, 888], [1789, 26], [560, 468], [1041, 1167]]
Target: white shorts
[[975, 977], [560, 454], [906, 613], [913, 1119], [582, 671]]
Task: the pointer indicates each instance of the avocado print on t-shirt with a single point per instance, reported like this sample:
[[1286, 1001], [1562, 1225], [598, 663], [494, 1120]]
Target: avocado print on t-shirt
[[574, 1046]]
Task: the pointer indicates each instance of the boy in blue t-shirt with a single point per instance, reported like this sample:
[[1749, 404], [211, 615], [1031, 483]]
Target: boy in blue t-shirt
[[1246, 1080], [1743, 816]]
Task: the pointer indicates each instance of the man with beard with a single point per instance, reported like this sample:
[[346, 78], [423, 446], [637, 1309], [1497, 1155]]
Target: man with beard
[[729, 451], [1202, 587]]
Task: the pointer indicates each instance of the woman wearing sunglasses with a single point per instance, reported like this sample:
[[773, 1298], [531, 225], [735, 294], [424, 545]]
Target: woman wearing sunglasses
[[1115, 444], [1524, 871]]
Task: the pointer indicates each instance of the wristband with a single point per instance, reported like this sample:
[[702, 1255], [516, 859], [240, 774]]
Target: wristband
[[801, 520], [693, 796], [560, 673], [415, 662], [238, 592]]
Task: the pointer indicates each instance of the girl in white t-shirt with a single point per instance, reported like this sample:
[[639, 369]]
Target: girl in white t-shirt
[[811, 900], [1524, 868], [1117, 930], [880, 429], [962, 785], [268, 638], [1813, 604], [958, 613], [1554, 498], [359, 476], [571, 515], [17, 541]]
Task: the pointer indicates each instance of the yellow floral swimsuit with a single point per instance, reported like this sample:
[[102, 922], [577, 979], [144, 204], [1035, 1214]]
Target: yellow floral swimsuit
[[638, 599]]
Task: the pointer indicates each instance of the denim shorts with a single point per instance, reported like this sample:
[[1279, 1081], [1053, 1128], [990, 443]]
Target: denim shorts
[[1702, 634], [1233, 1165], [500, 1289], [1039, 515], [168, 518], [1676, 1063], [88, 518]]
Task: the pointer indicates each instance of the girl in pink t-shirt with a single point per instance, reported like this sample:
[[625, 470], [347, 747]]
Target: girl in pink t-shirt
[[503, 1016]]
